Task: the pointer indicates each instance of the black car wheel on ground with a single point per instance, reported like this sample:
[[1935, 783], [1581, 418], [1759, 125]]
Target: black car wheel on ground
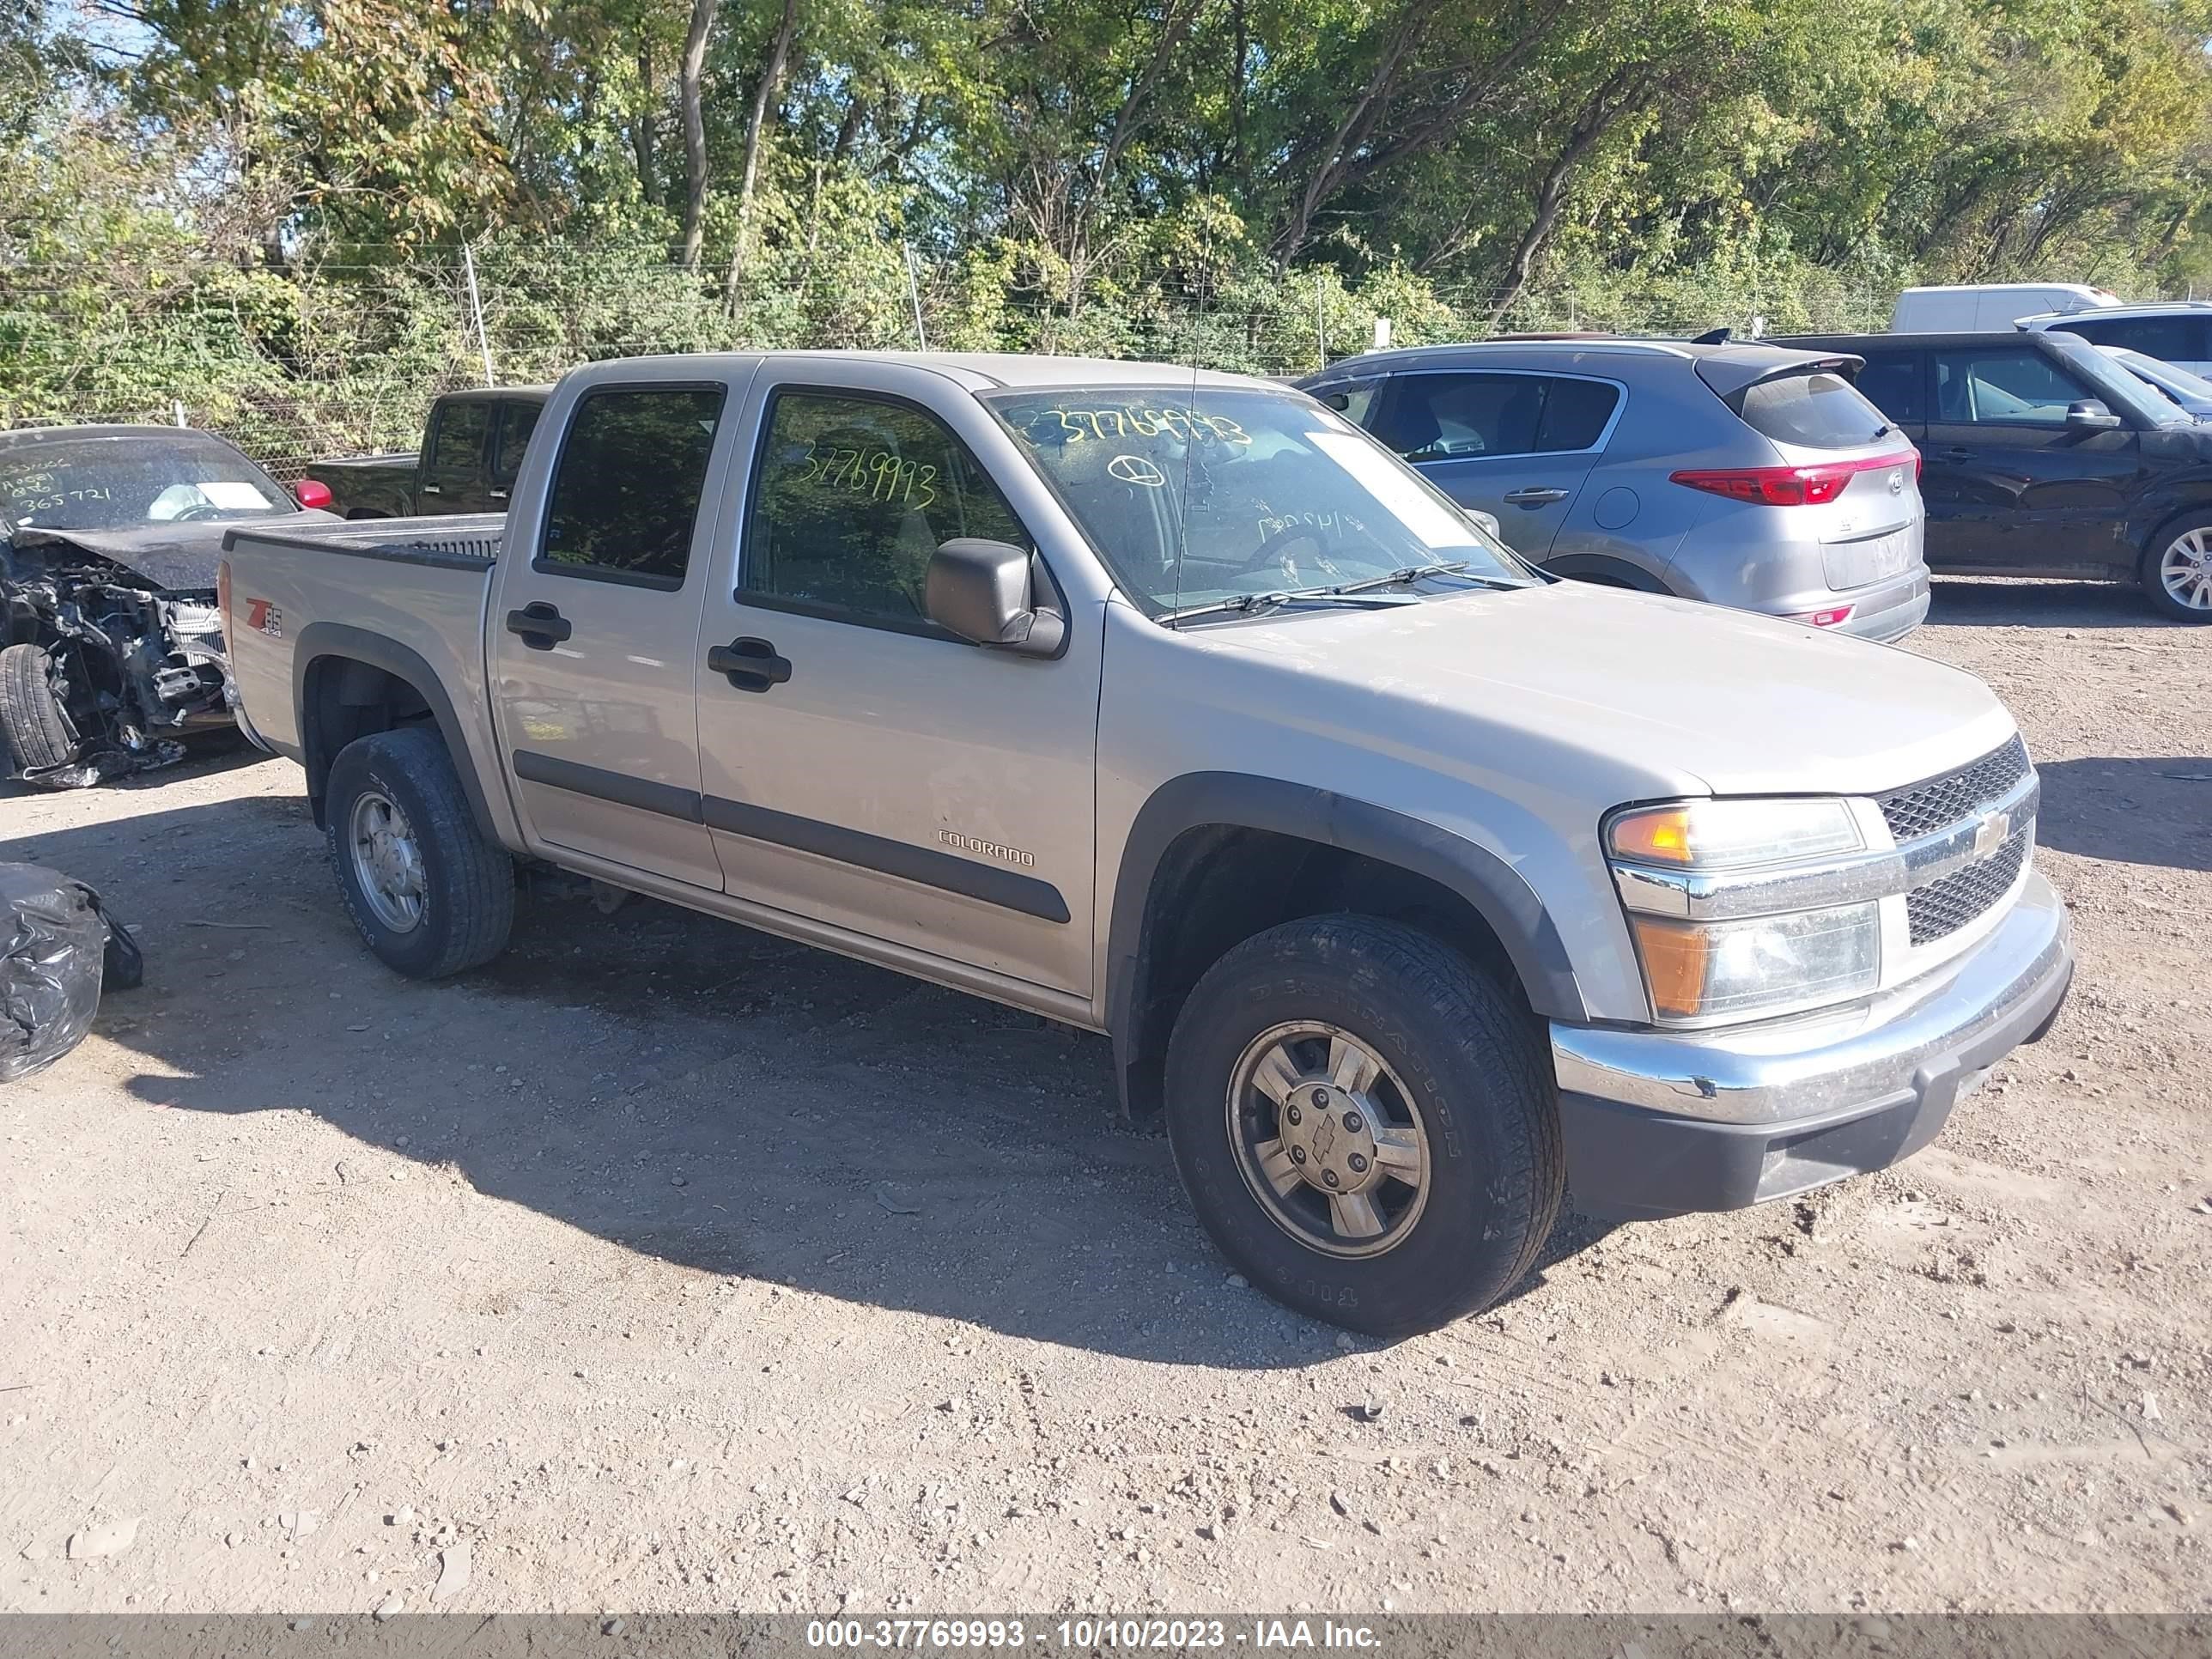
[[430, 895], [31, 713], [1364, 1123], [2177, 568]]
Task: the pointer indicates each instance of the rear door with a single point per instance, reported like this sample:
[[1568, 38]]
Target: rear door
[[1518, 444], [2011, 489], [455, 478], [595, 630]]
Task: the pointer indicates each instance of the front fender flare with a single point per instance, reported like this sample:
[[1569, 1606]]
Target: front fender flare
[[1493, 887]]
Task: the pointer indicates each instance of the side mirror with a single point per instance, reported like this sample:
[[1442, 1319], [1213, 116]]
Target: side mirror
[[984, 591], [1485, 522], [2090, 415]]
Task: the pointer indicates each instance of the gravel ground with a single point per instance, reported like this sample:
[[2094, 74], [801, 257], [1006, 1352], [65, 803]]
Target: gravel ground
[[669, 1267]]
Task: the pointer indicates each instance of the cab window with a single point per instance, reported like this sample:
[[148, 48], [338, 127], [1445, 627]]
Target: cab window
[[515, 426], [458, 446], [627, 486], [853, 495]]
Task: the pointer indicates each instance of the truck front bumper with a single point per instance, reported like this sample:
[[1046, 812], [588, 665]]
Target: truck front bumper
[[1660, 1123]]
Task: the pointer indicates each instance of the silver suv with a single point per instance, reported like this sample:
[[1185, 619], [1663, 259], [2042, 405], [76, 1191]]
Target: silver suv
[[1747, 475]]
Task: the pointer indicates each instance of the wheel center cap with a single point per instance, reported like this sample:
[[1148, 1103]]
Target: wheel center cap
[[1330, 1136]]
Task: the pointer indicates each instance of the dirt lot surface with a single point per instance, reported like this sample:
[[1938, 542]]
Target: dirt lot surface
[[665, 1265]]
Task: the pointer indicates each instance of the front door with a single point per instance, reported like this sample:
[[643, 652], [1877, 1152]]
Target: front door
[[1516, 445], [594, 632], [861, 765], [2010, 488]]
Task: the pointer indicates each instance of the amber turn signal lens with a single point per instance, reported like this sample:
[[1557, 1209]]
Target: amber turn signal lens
[[1674, 963], [1661, 836]]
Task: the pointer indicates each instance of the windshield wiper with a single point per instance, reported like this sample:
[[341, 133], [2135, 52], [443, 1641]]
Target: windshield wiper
[[1246, 603], [1417, 573]]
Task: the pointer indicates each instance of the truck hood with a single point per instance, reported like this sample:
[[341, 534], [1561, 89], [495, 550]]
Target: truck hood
[[1688, 694], [174, 557]]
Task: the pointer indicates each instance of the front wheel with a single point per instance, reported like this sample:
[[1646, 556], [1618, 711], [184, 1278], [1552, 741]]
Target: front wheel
[[2176, 570], [33, 715], [1364, 1123], [430, 893]]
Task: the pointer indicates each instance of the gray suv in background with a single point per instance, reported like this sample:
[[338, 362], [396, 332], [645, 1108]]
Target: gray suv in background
[[1743, 474]]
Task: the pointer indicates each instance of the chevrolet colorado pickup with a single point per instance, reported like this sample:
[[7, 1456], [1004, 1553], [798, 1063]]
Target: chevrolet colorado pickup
[[1414, 889], [472, 447]]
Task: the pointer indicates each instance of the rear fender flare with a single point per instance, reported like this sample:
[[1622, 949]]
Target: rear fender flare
[[321, 640]]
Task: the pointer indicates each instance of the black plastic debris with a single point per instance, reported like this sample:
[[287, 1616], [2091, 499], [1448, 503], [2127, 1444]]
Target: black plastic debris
[[58, 948]]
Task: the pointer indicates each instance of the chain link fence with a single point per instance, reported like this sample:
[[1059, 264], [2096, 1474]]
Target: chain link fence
[[332, 358]]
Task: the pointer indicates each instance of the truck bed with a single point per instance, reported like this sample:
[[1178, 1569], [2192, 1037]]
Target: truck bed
[[412, 589]]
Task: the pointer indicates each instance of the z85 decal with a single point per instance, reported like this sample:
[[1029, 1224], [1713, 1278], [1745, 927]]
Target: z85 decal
[[264, 618]]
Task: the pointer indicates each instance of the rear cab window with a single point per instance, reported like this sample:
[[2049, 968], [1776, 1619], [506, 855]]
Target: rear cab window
[[519, 422], [627, 486]]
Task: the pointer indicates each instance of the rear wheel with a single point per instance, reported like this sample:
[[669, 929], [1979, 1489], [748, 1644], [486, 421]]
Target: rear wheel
[[32, 713], [2176, 570], [430, 895], [1364, 1123]]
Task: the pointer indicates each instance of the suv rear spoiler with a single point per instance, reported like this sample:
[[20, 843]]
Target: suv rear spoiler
[[1731, 376]]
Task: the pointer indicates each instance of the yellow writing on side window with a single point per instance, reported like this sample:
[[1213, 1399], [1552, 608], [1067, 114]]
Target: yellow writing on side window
[[875, 473]]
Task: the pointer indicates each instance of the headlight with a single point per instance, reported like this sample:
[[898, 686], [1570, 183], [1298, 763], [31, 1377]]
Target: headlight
[[1735, 908], [1711, 970], [1731, 835]]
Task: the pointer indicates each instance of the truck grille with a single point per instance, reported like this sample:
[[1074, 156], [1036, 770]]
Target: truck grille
[[1942, 907], [1942, 802]]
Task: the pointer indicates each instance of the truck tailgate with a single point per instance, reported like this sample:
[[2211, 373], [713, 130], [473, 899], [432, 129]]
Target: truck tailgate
[[416, 586]]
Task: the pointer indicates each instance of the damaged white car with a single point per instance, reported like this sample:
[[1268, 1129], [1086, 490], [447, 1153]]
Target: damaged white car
[[113, 639]]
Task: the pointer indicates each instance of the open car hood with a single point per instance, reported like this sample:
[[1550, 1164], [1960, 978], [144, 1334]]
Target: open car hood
[[174, 557]]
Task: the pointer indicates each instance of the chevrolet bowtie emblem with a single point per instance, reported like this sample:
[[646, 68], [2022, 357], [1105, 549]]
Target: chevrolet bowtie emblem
[[1991, 833]]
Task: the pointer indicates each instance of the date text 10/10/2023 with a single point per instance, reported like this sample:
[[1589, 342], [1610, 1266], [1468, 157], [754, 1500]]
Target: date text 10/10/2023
[[1090, 1634]]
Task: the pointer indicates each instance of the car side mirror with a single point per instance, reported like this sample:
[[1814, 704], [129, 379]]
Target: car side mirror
[[2090, 415], [985, 592], [1485, 522]]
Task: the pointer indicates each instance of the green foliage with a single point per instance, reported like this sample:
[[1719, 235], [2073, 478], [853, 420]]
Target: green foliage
[[259, 209]]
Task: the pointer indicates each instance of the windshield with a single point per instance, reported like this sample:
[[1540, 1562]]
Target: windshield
[[2120, 391], [2165, 376], [1236, 492], [117, 482]]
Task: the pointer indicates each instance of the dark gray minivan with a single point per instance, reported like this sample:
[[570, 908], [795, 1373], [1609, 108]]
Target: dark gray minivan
[[1744, 474]]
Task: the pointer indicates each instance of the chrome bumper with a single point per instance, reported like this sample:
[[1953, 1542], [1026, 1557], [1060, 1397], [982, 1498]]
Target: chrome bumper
[[1660, 1123]]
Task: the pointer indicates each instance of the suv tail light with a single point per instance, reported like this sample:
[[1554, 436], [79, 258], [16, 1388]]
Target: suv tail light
[[1791, 486], [312, 492]]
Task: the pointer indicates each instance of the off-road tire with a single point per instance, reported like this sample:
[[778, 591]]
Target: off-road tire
[[468, 904], [38, 731], [1468, 1053], [2149, 573]]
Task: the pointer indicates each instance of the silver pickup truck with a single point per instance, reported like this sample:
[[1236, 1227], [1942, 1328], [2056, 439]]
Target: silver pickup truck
[[1413, 888]]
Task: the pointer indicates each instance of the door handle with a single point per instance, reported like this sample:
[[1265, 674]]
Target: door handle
[[749, 665], [1533, 495], [433, 490], [1955, 454], [499, 495], [540, 626]]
